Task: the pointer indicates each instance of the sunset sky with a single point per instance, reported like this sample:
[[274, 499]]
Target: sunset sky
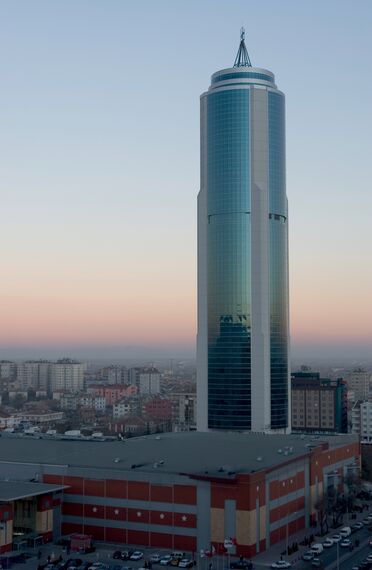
[[99, 166]]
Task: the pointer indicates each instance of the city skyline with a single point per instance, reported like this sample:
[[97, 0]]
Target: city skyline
[[86, 264]]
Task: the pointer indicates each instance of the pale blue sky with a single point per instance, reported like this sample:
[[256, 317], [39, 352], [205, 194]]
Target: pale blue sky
[[99, 161]]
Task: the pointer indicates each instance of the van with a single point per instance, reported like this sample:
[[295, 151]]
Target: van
[[345, 531], [317, 548]]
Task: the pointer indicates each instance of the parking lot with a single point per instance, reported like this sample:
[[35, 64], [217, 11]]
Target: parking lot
[[106, 557]]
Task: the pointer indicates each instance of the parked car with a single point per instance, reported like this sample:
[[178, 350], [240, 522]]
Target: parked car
[[166, 560], [155, 557], [316, 563], [126, 554], [346, 543], [308, 555], [137, 555], [317, 548], [345, 531], [281, 564], [241, 565], [178, 554], [185, 563], [328, 543], [117, 555], [336, 538], [359, 525]]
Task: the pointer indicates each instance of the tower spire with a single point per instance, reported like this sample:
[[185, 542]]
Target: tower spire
[[242, 57]]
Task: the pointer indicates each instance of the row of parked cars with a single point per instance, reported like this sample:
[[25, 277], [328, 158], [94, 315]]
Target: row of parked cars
[[172, 559], [341, 538]]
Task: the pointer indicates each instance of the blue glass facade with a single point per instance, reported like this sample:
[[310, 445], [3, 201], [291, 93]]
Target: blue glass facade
[[242, 75], [229, 391], [278, 270], [244, 220]]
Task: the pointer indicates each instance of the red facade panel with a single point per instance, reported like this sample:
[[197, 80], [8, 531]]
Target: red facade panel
[[161, 517], [97, 532], [73, 509], [70, 528], [184, 543], [116, 513], [161, 493], [221, 493], [287, 509], [57, 479], [160, 540], [94, 511], [44, 503], [185, 519], [116, 489], [138, 537], [138, 490], [6, 512], [76, 485], [94, 488], [185, 494], [118, 535], [139, 516]]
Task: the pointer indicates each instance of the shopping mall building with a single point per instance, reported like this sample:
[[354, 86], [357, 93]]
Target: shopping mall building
[[184, 491]]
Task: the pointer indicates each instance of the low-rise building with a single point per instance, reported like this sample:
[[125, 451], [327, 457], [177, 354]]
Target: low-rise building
[[183, 491], [157, 409], [97, 403], [125, 407], [113, 393]]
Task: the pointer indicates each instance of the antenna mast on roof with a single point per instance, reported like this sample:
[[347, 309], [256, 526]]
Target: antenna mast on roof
[[242, 57]]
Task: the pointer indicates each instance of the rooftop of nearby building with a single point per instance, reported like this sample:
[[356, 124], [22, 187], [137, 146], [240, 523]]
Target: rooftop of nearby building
[[14, 490], [215, 453]]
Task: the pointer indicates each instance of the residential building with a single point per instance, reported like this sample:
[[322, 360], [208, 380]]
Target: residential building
[[8, 370], [242, 342], [112, 393], [361, 420], [69, 402], [359, 384], [157, 409], [149, 381], [183, 410], [124, 407], [68, 375], [115, 374], [97, 403], [318, 404]]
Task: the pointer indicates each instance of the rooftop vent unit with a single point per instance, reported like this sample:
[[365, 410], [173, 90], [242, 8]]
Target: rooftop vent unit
[[280, 450], [259, 458], [117, 460]]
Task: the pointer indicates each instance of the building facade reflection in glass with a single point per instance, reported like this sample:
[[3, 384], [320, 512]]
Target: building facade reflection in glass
[[243, 336]]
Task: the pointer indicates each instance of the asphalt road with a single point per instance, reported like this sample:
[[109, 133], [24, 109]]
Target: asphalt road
[[329, 555]]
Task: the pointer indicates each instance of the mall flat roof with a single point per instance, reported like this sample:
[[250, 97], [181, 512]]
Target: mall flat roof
[[185, 452], [14, 490]]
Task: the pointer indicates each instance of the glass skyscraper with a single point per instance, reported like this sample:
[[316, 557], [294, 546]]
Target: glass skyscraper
[[243, 337]]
